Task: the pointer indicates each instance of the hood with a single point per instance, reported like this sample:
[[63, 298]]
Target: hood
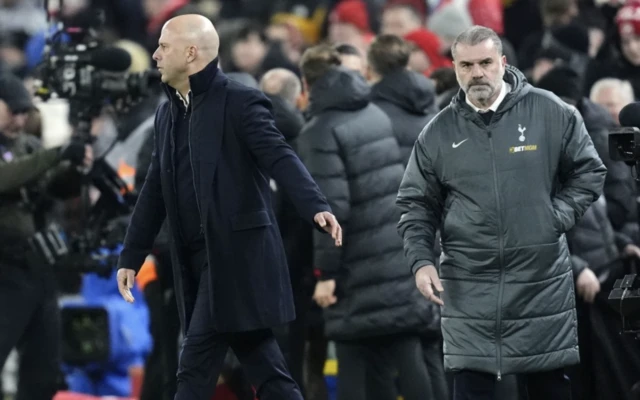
[[595, 117], [413, 92], [339, 89], [519, 88], [289, 120]]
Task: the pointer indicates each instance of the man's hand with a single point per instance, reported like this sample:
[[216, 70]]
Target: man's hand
[[126, 278], [632, 250], [329, 223], [588, 285], [324, 293], [426, 279]]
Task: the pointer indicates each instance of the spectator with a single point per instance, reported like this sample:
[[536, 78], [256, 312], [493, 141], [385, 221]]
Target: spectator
[[351, 58], [372, 309], [612, 94], [399, 19]]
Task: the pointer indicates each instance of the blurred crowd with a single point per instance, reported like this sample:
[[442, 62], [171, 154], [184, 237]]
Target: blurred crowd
[[319, 61]]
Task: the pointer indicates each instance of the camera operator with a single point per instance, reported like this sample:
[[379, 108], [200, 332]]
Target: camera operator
[[29, 175]]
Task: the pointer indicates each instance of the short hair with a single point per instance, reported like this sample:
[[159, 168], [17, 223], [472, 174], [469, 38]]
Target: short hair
[[476, 35], [281, 82], [388, 54], [316, 61], [550, 9], [346, 49], [623, 87]]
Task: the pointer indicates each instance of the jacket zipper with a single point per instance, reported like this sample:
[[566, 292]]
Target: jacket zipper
[[193, 173], [501, 248]]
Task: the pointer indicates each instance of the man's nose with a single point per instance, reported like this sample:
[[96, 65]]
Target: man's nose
[[477, 71]]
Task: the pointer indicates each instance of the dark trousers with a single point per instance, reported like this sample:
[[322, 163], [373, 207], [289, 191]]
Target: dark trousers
[[204, 351], [30, 321], [548, 385], [364, 372]]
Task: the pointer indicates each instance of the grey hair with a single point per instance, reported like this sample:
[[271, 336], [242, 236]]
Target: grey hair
[[624, 88], [476, 35], [291, 88]]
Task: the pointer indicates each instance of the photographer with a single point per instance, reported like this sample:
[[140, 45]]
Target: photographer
[[29, 316]]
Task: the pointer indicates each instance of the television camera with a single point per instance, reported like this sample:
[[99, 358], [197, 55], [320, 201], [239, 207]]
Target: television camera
[[624, 145], [92, 77]]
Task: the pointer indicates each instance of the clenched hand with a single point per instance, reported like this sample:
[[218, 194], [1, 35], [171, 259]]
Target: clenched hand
[[329, 223], [126, 279], [324, 293], [426, 279]]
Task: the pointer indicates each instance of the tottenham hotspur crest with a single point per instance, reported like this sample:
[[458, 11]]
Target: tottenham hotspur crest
[[521, 130]]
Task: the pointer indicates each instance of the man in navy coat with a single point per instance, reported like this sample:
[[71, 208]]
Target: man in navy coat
[[216, 147]]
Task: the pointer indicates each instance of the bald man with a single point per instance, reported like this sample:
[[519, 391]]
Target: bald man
[[216, 147]]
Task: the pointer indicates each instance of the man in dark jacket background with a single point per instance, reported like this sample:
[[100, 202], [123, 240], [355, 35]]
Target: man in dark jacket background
[[215, 148], [372, 308], [407, 97], [620, 186], [505, 276]]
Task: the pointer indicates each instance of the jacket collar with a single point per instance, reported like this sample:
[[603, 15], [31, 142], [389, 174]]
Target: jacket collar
[[199, 82]]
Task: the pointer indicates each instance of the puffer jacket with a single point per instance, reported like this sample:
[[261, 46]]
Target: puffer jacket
[[594, 244], [409, 99], [503, 195], [349, 148]]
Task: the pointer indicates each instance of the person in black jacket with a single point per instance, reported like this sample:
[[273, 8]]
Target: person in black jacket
[[408, 98], [599, 255], [372, 308], [619, 185]]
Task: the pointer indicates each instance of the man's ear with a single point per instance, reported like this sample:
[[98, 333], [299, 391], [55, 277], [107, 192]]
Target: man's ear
[[503, 59]]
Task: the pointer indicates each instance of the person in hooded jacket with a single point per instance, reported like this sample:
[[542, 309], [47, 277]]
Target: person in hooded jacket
[[371, 307], [619, 186], [504, 172], [408, 98]]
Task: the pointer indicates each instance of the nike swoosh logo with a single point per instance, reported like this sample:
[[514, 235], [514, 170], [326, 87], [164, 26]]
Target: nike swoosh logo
[[456, 145]]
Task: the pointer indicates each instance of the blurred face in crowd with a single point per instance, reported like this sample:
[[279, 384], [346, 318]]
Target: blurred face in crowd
[[248, 54], [418, 61], [340, 32], [153, 7], [11, 124], [171, 57], [479, 70], [630, 44], [611, 99], [353, 63], [399, 21]]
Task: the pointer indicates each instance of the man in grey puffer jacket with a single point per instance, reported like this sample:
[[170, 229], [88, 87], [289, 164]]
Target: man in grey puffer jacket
[[504, 172]]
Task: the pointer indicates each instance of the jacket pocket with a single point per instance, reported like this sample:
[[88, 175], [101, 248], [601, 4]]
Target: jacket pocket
[[250, 220], [553, 219]]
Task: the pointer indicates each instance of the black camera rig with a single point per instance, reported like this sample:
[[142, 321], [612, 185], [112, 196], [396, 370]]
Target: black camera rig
[[92, 77]]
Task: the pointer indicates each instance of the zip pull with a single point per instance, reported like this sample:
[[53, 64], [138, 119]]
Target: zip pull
[[499, 376]]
